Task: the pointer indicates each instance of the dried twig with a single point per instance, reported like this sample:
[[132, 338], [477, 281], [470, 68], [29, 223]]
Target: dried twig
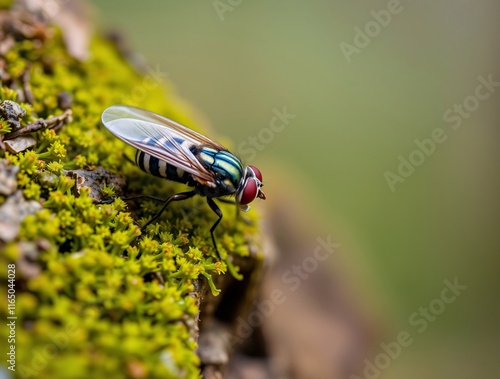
[[51, 123]]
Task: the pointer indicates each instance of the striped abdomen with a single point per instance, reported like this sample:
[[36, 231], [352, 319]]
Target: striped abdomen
[[162, 169]]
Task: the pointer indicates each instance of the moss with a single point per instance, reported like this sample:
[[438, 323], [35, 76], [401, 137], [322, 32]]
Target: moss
[[93, 300]]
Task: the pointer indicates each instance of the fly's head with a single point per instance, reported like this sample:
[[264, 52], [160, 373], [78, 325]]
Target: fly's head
[[250, 188]]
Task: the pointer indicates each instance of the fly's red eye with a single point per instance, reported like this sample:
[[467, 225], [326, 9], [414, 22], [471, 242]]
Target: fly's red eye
[[249, 192], [257, 172]]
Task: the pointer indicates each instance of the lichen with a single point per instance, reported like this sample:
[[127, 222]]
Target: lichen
[[92, 298]]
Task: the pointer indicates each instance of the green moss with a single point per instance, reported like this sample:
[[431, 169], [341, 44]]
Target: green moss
[[97, 299]]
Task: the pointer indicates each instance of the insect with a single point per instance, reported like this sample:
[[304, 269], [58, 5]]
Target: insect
[[172, 151]]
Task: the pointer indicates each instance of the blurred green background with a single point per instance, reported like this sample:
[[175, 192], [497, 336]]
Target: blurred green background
[[354, 119]]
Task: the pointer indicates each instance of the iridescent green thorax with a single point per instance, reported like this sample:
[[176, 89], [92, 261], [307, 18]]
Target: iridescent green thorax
[[224, 163]]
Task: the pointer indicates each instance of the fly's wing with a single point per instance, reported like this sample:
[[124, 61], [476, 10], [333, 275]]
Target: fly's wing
[[161, 138]]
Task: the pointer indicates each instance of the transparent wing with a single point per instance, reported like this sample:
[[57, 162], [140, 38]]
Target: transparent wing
[[161, 138]]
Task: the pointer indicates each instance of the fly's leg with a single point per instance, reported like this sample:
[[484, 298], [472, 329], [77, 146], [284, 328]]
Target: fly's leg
[[238, 210], [227, 201], [176, 197], [130, 160], [218, 212], [150, 197]]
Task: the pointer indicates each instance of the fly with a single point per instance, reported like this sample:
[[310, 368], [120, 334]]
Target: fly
[[172, 151]]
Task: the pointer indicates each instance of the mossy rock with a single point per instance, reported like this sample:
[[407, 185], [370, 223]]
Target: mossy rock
[[94, 297]]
